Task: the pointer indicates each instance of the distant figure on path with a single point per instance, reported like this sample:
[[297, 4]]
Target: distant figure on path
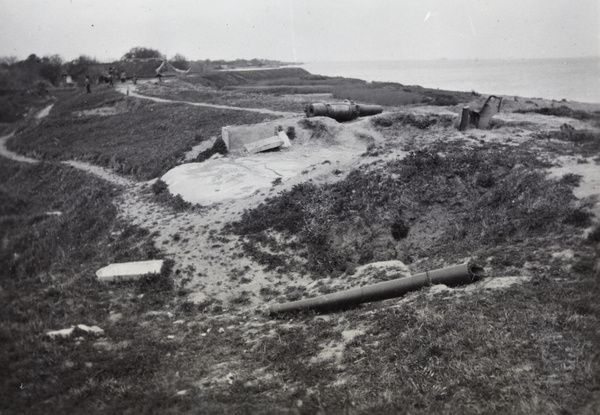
[[88, 86], [134, 80]]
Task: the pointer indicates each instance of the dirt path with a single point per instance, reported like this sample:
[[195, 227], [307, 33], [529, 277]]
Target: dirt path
[[5, 152], [131, 91], [97, 171]]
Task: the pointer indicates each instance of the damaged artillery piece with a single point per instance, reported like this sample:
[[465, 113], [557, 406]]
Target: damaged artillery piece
[[341, 111], [451, 276], [482, 118]]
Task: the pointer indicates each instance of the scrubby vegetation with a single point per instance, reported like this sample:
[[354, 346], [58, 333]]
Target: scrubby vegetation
[[528, 348], [219, 147], [464, 199], [585, 142], [163, 196], [421, 122], [141, 139], [563, 111], [58, 226], [75, 101], [241, 99]]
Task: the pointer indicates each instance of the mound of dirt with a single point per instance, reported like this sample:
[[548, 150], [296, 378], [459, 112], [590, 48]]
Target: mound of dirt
[[320, 145]]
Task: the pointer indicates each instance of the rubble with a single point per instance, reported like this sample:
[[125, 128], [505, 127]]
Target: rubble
[[129, 270]]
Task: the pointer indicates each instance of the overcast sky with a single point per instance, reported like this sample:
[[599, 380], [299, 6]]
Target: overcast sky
[[302, 30]]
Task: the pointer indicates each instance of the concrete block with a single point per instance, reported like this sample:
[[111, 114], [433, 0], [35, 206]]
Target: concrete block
[[129, 270], [60, 333], [236, 137], [91, 329], [225, 136], [286, 141], [264, 144]]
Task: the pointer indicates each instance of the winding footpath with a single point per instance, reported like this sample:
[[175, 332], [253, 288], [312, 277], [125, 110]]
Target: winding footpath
[[130, 90], [97, 171], [5, 152]]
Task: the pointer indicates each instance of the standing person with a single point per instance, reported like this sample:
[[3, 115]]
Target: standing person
[[134, 79], [88, 86]]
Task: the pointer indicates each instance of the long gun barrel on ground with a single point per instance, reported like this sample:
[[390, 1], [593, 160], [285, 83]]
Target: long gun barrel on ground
[[453, 275], [341, 111]]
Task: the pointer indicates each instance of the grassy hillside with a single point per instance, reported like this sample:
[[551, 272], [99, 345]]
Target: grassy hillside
[[524, 340], [138, 138]]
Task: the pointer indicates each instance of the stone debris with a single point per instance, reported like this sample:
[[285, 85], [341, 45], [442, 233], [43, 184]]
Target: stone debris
[[129, 270], [114, 317], [64, 333], [60, 333], [159, 314], [269, 143], [286, 141], [93, 329], [53, 213]]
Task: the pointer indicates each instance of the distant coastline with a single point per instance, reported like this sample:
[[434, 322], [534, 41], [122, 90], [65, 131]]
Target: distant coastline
[[573, 79]]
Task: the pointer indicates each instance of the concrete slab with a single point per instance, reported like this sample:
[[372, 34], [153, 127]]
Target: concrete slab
[[60, 333], [128, 270], [269, 143], [91, 329], [285, 139], [236, 137]]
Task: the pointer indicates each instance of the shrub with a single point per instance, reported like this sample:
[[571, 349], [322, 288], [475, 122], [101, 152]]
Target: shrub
[[443, 100], [219, 147], [484, 197], [563, 111], [176, 202]]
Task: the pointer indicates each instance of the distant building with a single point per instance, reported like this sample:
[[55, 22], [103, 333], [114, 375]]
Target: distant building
[[141, 68], [67, 80]]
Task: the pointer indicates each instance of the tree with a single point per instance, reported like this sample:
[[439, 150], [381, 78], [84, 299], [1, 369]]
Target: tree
[[180, 62], [80, 66], [8, 60], [51, 68], [142, 53]]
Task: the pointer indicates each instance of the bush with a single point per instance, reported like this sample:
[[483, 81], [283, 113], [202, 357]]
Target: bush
[[563, 111], [175, 202], [487, 197], [219, 147]]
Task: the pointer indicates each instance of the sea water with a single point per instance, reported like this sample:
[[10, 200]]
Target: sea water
[[573, 79]]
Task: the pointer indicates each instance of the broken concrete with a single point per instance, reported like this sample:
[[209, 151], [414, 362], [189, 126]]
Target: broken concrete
[[237, 137], [64, 333], [482, 118], [269, 143], [129, 270], [60, 333]]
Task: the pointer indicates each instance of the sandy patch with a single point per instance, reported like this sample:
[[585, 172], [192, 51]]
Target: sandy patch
[[5, 152], [98, 112], [240, 175], [45, 112], [589, 187]]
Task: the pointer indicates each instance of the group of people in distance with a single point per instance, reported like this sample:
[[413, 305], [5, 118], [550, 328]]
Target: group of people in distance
[[108, 79]]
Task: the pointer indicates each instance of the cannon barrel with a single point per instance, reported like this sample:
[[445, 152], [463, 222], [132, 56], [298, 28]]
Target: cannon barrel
[[453, 275], [342, 111]]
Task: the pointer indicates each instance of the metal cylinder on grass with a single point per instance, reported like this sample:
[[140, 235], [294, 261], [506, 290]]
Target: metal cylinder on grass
[[452, 276]]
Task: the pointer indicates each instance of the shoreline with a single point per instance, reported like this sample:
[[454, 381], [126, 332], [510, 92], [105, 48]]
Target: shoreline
[[573, 79]]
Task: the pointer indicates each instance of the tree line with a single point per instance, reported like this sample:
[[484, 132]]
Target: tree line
[[16, 73], [35, 70]]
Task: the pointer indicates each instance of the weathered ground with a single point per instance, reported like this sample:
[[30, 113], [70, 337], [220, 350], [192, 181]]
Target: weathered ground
[[346, 205]]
